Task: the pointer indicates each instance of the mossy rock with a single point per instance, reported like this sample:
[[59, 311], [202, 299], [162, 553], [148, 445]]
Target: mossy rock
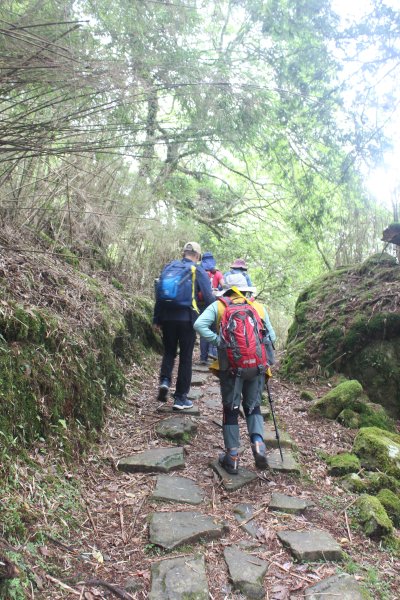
[[341, 397], [349, 418], [372, 517], [354, 483], [377, 481], [343, 463], [378, 449], [345, 323], [391, 503], [307, 396]]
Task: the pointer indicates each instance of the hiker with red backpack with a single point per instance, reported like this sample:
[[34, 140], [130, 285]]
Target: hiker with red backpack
[[175, 310], [243, 326]]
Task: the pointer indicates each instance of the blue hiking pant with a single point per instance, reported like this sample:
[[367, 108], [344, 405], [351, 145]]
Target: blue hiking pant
[[251, 401]]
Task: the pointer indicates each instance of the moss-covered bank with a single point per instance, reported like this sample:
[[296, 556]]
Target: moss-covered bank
[[349, 321], [55, 379]]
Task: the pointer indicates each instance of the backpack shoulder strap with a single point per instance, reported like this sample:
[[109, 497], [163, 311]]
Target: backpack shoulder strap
[[221, 307]]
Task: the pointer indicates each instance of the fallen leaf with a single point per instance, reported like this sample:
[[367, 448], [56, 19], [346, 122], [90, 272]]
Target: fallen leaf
[[97, 555]]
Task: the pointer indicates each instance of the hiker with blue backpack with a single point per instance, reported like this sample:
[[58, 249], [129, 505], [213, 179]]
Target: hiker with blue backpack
[[175, 310], [242, 326]]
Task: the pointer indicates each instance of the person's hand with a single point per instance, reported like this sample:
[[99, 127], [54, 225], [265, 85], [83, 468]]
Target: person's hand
[[157, 328]]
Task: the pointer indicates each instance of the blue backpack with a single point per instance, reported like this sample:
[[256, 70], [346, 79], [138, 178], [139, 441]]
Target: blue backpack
[[177, 284]]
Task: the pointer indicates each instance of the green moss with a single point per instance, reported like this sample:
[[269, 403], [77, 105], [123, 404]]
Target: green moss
[[349, 418], [343, 463], [391, 503], [307, 396], [377, 481], [372, 517], [354, 483], [343, 396], [378, 449]]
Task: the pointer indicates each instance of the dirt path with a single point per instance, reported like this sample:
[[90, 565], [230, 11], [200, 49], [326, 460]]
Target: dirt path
[[112, 543]]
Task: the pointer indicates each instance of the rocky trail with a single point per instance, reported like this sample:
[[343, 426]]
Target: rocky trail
[[163, 521]]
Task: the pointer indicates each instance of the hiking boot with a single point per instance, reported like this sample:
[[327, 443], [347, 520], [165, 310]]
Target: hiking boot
[[260, 458], [182, 402], [203, 362], [163, 390], [229, 463]]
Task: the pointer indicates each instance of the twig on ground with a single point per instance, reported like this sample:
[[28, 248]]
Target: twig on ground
[[114, 589], [63, 585], [348, 527]]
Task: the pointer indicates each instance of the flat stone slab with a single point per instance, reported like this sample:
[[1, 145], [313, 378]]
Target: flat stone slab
[[172, 529], [311, 545], [168, 410], [214, 389], [246, 572], [233, 482], [284, 438], [217, 422], [195, 395], [243, 512], [201, 368], [288, 504], [289, 464], [343, 587], [213, 403], [179, 579], [198, 379], [177, 489], [265, 412], [176, 427], [161, 460]]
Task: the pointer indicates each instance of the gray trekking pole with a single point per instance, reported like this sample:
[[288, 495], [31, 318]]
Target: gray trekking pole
[[271, 403]]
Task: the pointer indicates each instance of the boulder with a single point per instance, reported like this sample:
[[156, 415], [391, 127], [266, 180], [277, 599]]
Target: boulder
[[343, 396], [391, 503], [342, 464], [348, 322], [378, 449], [372, 517]]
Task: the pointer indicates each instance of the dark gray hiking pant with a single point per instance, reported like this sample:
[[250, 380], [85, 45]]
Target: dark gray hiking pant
[[251, 401]]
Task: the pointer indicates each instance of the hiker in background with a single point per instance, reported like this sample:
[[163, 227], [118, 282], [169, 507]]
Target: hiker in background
[[241, 325], [239, 267], [174, 313], [209, 264]]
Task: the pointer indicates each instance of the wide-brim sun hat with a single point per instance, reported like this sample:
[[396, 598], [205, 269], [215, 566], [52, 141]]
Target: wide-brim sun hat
[[239, 263], [238, 281]]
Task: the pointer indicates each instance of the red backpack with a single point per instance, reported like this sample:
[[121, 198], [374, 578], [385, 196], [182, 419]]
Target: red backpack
[[242, 334]]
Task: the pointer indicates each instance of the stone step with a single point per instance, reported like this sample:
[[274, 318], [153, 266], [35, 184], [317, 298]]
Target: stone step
[[195, 394], [198, 379], [166, 409], [200, 368], [246, 572], [162, 460], [289, 464], [177, 427], [311, 545], [179, 578], [243, 512], [342, 586], [173, 529], [288, 504], [177, 489], [214, 390], [284, 438], [233, 482]]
